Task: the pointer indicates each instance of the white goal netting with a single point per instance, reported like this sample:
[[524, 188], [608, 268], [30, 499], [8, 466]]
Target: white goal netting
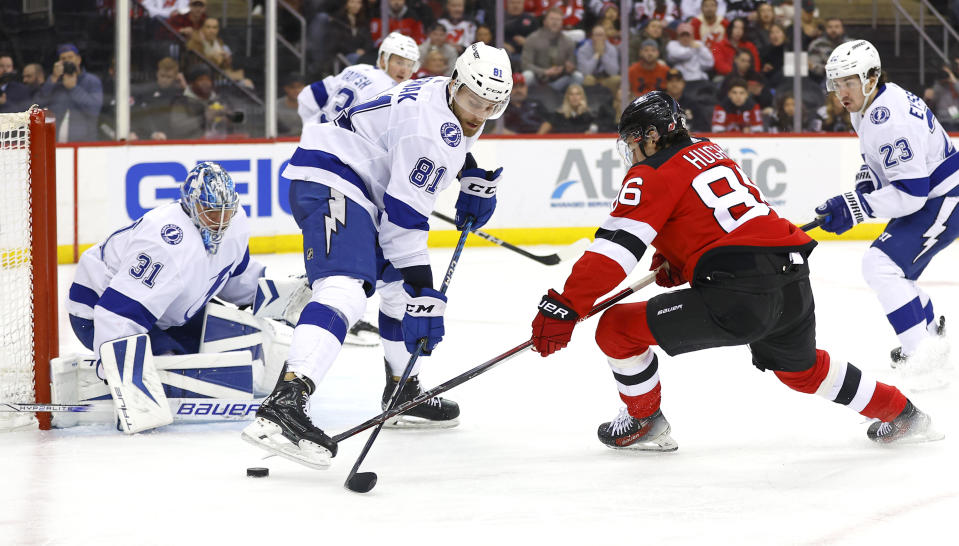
[[16, 273]]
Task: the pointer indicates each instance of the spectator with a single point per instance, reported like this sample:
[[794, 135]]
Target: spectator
[[743, 69], [821, 48], [609, 19], [649, 72], [676, 88], [725, 51], [654, 30], [573, 115], [762, 94], [765, 19], [434, 64], [524, 115], [200, 112], [33, 78], [437, 40], [401, 20], [517, 26], [709, 27], [943, 98], [349, 31], [207, 44], [190, 22], [288, 122], [689, 55], [811, 26], [74, 95], [484, 34], [644, 11], [598, 60], [13, 94], [782, 119], [690, 8], [738, 112], [772, 56], [549, 57], [163, 9], [836, 117], [572, 12], [150, 116], [741, 8], [460, 31]]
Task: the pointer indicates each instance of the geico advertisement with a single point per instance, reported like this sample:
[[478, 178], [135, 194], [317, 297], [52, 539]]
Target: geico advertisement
[[547, 183]]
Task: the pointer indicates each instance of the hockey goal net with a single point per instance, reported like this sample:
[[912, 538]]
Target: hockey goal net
[[28, 265]]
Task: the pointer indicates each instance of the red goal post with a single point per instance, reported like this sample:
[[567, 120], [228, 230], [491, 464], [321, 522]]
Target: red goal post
[[28, 264]]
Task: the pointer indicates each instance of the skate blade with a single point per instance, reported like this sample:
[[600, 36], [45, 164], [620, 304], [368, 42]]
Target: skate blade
[[412, 422], [266, 435], [663, 443]]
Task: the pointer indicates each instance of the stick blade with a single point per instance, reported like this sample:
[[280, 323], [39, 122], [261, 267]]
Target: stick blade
[[361, 482]]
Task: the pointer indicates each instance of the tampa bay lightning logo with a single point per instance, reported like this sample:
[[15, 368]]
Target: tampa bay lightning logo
[[171, 234], [451, 134], [879, 115]]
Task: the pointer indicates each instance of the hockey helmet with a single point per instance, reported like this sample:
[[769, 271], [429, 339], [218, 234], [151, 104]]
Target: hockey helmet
[[208, 196], [401, 45], [486, 72], [653, 114], [855, 58]]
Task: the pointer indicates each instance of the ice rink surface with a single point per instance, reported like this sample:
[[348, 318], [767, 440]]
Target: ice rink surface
[[757, 462]]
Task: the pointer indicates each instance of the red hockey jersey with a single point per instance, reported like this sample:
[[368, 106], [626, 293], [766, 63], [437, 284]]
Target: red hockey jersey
[[684, 201]]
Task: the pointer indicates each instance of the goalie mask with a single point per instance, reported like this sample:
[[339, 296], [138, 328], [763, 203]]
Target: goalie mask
[[209, 198], [482, 81], [651, 115]]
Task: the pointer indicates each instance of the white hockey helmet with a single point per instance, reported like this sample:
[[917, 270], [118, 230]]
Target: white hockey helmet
[[398, 44], [855, 58], [486, 71]]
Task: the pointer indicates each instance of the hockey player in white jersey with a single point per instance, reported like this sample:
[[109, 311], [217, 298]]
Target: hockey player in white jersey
[[156, 276], [910, 175], [362, 192], [398, 58]]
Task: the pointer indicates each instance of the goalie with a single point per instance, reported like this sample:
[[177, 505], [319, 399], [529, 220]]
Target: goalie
[[146, 291]]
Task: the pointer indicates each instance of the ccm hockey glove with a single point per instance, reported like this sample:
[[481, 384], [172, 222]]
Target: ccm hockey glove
[[423, 318], [553, 325], [477, 194], [669, 275], [842, 212]]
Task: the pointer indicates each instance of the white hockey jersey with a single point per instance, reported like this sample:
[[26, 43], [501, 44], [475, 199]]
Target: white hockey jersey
[[322, 101], [910, 155], [156, 272], [392, 155]]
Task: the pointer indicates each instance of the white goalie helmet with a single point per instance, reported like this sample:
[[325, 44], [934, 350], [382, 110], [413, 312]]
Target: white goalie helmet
[[855, 58], [486, 71], [398, 44]]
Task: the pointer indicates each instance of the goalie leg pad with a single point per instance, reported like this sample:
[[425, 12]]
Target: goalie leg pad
[[135, 384]]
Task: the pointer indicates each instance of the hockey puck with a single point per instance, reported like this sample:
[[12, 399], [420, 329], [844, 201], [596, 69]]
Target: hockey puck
[[257, 472]]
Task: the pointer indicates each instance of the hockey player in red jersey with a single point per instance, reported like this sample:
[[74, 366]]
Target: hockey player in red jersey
[[749, 284]]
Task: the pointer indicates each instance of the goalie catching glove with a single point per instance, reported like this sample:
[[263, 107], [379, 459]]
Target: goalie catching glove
[[553, 325], [477, 194]]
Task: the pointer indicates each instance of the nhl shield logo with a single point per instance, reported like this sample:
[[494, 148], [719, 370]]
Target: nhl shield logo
[[452, 134], [879, 115], [171, 234]]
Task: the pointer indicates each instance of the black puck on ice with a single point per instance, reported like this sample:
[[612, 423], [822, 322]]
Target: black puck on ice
[[257, 472]]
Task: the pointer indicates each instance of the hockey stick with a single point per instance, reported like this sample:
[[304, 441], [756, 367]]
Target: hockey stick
[[814, 224], [363, 482], [30, 408], [571, 251], [486, 366]]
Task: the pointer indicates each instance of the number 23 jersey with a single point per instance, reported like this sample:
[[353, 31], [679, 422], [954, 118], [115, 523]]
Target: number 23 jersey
[[684, 201]]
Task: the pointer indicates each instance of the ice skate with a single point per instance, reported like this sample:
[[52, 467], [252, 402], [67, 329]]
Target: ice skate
[[929, 366], [910, 426], [647, 434], [434, 413], [363, 334], [282, 426]]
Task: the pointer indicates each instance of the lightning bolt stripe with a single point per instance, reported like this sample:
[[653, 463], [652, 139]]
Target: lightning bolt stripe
[[335, 218], [937, 227]]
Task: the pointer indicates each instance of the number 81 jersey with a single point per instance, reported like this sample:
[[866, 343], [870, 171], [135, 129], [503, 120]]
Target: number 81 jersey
[[686, 200]]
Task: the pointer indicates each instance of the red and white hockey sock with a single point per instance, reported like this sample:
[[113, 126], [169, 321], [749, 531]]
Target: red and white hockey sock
[[845, 384], [637, 379]]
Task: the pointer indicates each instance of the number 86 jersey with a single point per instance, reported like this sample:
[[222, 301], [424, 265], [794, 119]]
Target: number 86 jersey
[[685, 200]]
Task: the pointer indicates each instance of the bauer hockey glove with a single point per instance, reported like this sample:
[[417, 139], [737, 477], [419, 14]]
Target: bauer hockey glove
[[477, 194], [839, 214], [423, 318], [865, 183], [553, 325], [668, 275]]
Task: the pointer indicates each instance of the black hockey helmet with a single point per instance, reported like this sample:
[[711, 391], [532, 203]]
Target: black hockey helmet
[[655, 109]]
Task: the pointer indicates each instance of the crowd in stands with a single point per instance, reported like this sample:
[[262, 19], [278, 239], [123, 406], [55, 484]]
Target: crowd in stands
[[723, 60]]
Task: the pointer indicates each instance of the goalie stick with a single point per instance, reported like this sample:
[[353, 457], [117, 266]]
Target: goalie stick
[[363, 482], [486, 366], [571, 251]]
